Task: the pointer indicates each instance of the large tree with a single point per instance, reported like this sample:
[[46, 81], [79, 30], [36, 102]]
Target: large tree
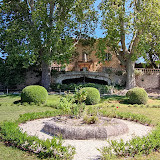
[[150, 46], [123, 19], [12, 74], [43, 30]]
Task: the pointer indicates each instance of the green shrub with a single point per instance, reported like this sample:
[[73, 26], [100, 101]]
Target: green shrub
[[137, 96], [119, 73], [135, 146], [93, 95], [66, 104], [127, 115], [80, 96], [34, 93], [73, 87], [90, 119]]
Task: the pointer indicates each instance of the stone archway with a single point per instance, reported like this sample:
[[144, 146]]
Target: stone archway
[[84, 80], [110, 79], [103, 77]]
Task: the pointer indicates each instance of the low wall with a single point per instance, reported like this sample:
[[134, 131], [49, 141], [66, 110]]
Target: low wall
[[148, 80]]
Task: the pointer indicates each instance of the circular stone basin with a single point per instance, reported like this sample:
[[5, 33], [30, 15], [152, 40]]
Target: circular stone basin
[[71, 128]]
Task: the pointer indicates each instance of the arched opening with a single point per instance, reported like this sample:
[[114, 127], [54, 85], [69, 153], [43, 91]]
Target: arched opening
[[84, 80]]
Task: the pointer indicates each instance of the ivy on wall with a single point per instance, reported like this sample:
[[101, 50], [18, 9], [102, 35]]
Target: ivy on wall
[[12, 74], [88, 41]]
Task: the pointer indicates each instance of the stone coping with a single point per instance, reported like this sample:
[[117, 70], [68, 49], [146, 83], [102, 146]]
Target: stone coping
[[73, 130]]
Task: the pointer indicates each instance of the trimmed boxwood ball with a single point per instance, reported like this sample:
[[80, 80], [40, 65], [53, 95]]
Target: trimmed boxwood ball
[[34, 93], [93, 95], [137, 96]]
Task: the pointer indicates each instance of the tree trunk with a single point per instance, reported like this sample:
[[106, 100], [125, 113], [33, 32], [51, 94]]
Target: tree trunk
[[130, 81], [151, 59], [46, 75]]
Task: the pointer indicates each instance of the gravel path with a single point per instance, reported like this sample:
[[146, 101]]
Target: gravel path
[[86, 149]]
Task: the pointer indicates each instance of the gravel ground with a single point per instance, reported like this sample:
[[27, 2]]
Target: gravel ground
[[86, 149]]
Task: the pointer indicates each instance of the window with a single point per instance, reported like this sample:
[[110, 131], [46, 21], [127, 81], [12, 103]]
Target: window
[[108, 57], [84, 57]]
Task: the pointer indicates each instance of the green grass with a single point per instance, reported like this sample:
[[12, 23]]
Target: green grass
[[120, 102], [11, 111], [10, 153]]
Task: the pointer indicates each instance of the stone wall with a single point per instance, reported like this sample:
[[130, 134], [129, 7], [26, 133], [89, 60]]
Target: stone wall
[[32, 78], [148, 80]]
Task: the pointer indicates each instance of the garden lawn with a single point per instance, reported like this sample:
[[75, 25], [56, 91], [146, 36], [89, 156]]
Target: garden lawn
[[11, 111]]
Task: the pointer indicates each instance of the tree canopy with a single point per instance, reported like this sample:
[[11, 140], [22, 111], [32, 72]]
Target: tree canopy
[[12, 74], [123, 19], [43, 30], [150, 46]]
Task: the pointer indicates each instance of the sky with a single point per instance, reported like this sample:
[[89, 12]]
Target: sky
[[98, 31], [0, 54]]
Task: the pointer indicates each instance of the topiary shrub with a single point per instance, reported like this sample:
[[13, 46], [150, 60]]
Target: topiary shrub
[[93, 95], [34, 93], [137, 96]]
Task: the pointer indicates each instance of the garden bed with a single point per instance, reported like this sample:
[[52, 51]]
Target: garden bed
[[113, 107], [86, 149], [72, 128]]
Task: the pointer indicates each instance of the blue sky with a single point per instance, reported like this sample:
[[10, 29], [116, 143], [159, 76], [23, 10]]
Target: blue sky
[[0, 54], [98, 31]]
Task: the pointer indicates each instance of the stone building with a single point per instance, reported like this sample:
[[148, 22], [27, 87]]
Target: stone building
[[86, 67], [86, 64], [86, 60]]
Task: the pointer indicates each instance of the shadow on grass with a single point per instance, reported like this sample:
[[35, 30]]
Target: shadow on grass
[[155, 98], [113, 97], [125, 101], [3, 96], [14, 95], [120, 99], [10, 95], [17, 102]]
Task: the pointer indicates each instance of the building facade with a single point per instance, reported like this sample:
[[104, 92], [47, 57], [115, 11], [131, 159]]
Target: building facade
[[86, 60]]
